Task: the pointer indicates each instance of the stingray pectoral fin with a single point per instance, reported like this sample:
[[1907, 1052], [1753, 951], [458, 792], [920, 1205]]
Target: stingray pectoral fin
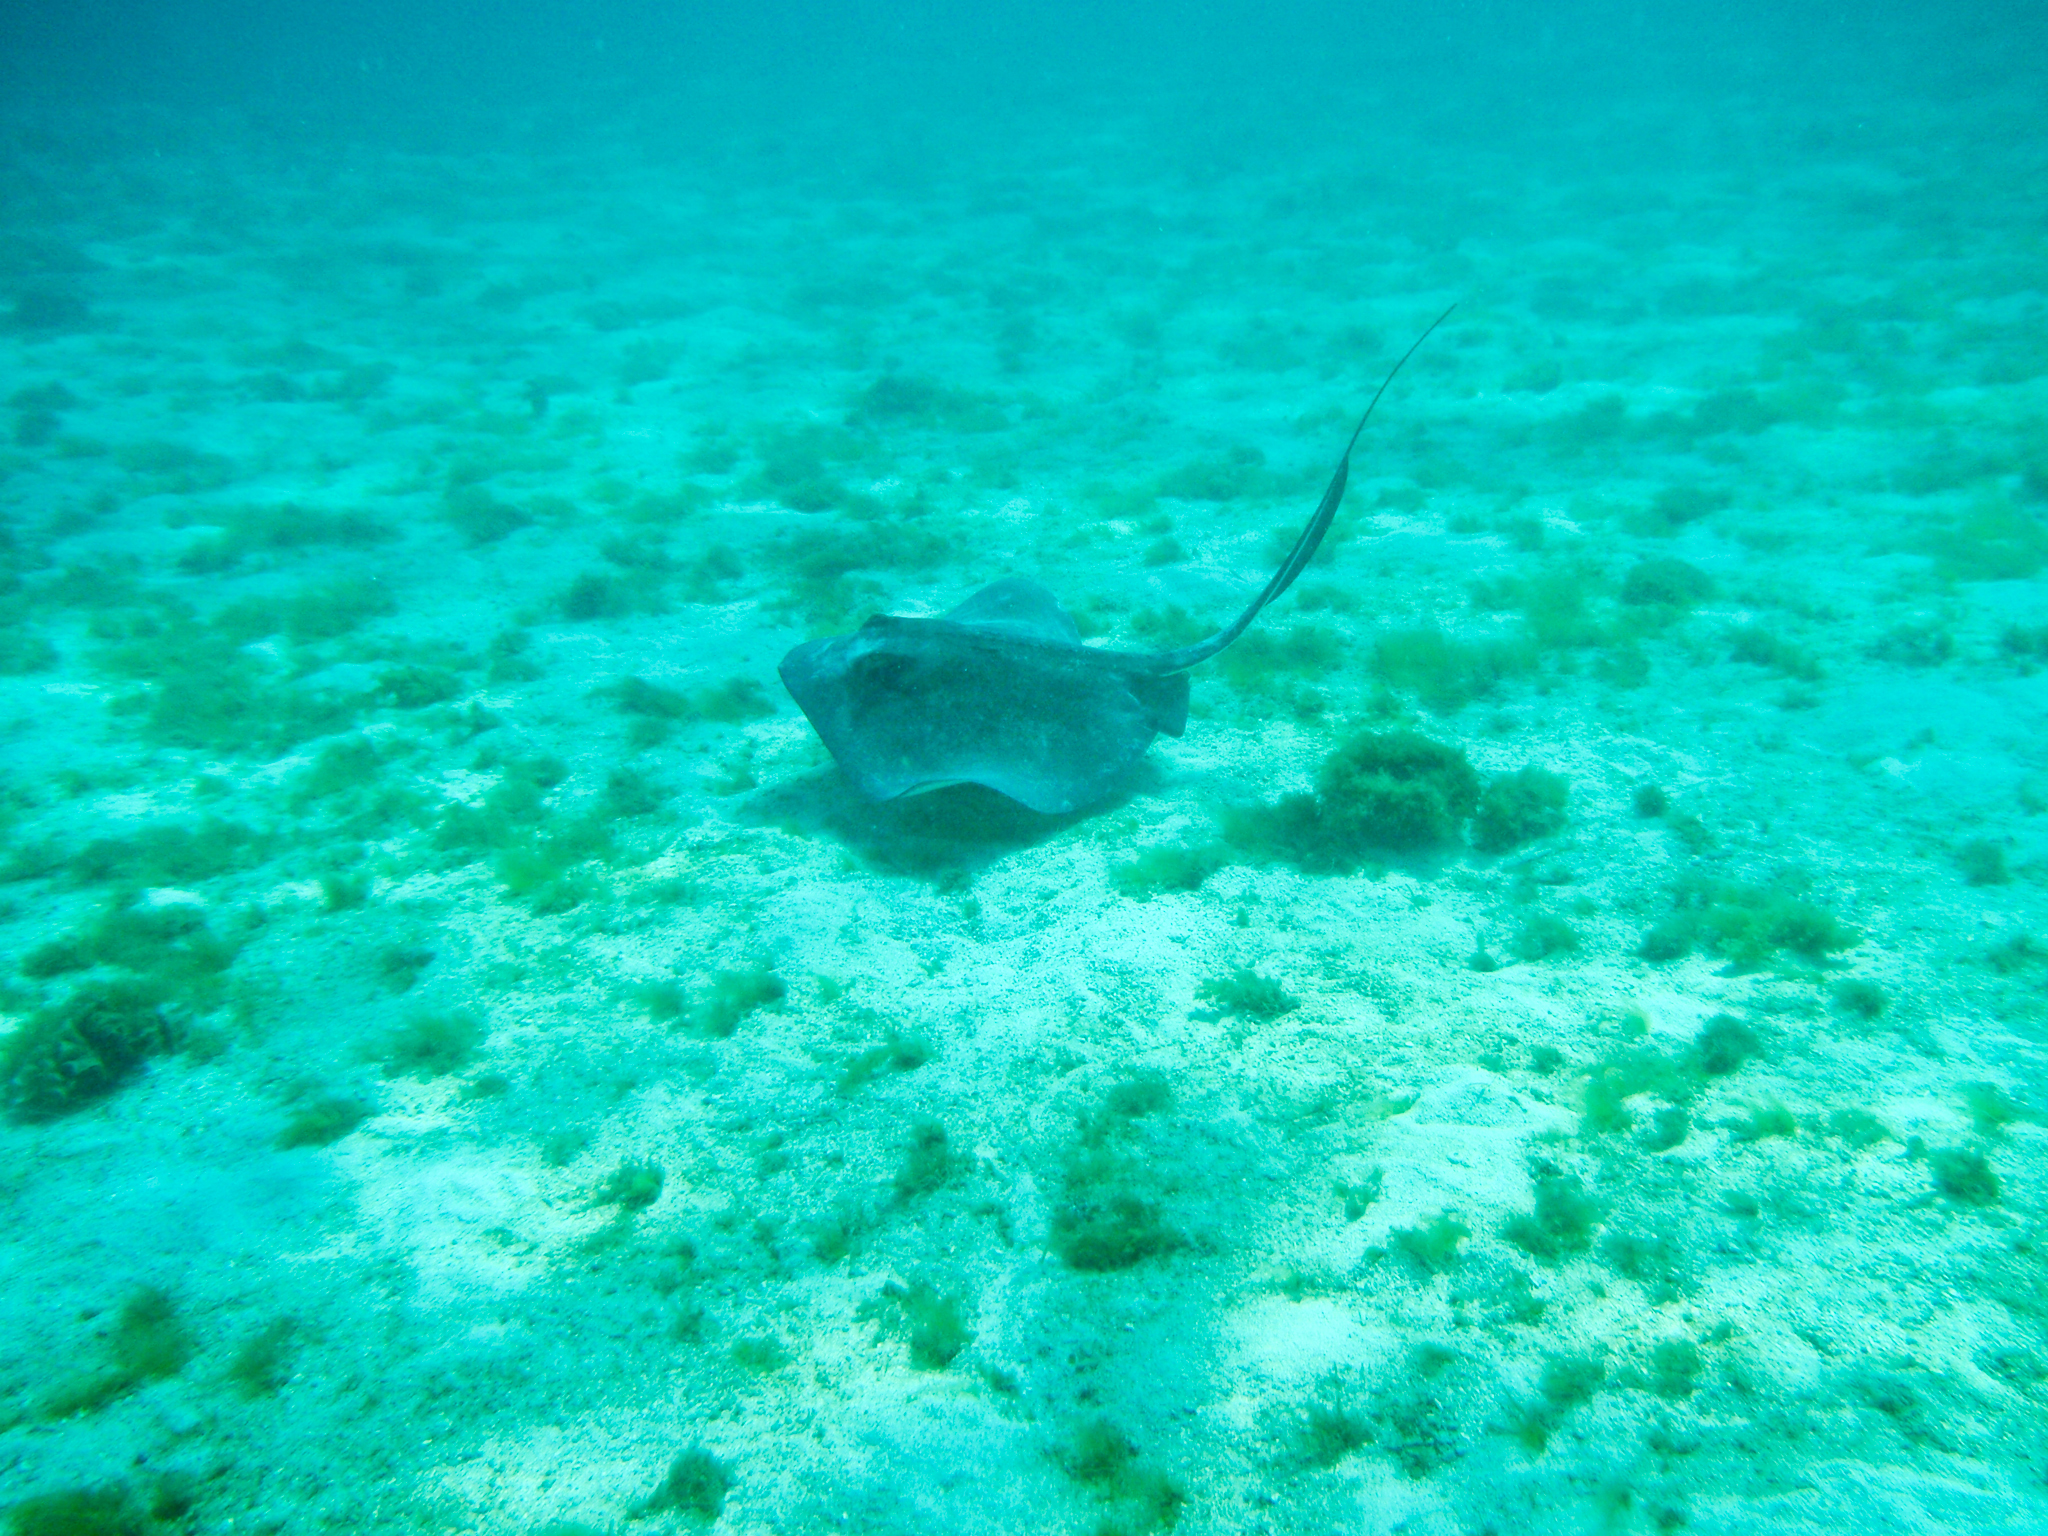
[[1018, 606], [1164, 700]]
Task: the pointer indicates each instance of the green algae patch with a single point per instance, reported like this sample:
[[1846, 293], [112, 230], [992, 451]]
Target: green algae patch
[[1412, 1415], [542, 859], [1666, 582], [1246, 994], [199, 687], [1721, 1048], [1568, 1381], [72, 1053], [417, 687], [166, 949], [799, 465], [1221, 477], [1561, 1223], [1857, 1128], [1540, 936], [1110, 1235], [1675, 1368], [140, 969], [1518, 808], [1760, 646], [431, 1045], [913, 400], [1676, 507], [247, 533], [1964, 1176], [1431, 1247], [653, 711], [549, 869], [149, 1342], [1652, 1256], [898, 1053], [323, 1122], [731, 996], [1993, 541], [928, 1163], [1328, 1432], [632, 1187], [1446, 673], [694, 1489], [339, 768], [111, 1510], [1379, 792], [262, 1366], [1746, 924], [1167, 867], [1398, 790], [478, 518], [1102, 1459], [169, 854], [1762, 1122], [1263, 661], [1105, 1222], [930, 1321]]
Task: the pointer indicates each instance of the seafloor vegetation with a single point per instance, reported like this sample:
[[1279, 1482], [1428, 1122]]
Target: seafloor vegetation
[[1556, 1046]]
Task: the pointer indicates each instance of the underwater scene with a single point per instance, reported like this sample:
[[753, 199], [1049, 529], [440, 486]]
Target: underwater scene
[[1545, 1031]]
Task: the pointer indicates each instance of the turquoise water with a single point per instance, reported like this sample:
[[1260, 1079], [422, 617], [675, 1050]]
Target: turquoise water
[[1556, 1045]]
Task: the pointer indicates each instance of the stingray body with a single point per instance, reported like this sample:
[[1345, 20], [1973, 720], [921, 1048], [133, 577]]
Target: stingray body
[[1000, 691]]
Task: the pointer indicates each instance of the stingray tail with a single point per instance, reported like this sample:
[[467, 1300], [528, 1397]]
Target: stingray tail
[[1311, 539]]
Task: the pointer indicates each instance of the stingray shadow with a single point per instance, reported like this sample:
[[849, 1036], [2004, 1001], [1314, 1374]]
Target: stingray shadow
[[945, 836]]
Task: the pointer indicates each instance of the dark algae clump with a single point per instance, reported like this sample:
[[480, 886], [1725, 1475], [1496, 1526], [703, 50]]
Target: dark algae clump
[[324, 1121], [1380, 792], [1247, 994], [108, 1511], [927, 1160], [1561, 1223], [1400, 791], [1567, 1382], [1112, 1232], [695, 1488], [1724, 1044], [1431, 1247], [632, 1186], [732, 995], [263, 1364], [150, 1342], [1964, 1176], [1168, 867], [1859, 996], [1665, 583], [1518, 808], [73, 1052], [930, 1320], [1384, 794], [1748, 925], [430, 1045], [1104, 1460], [1675, 1366]]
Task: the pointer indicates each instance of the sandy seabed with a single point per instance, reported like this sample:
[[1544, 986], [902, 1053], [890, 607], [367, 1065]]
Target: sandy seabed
[[475, 1066]]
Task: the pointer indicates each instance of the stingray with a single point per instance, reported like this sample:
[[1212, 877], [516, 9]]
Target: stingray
[[1001, 692]]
